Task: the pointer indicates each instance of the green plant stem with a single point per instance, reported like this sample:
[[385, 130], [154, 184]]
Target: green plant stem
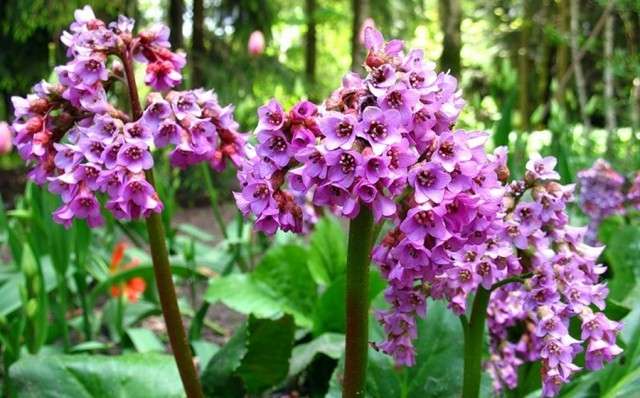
[[357, 296], [217, 215], [120, 314], [62, 307], [81, 282], [473, 344], [213, 198], [162, 269]]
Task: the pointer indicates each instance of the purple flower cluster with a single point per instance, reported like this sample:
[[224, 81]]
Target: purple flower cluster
[[81, 145], [90, 41], [448, 240], [562, 282], [197, 125], [633, 195], [601, 195], [362, 147]]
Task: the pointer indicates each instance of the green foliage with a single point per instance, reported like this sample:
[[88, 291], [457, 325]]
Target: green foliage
[[623, 255], [327, 251], [281, 283], [256, 358], [329, 344], [84, 376]]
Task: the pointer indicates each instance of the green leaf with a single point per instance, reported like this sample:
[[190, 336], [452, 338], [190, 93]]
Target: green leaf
[[84, 376], [439, 354], [144, 340], [87, 346], [281, 283], [623, 254], [204, 351], [329, 344], [269, 350], [255, 359], [329, 313], [328, 251]]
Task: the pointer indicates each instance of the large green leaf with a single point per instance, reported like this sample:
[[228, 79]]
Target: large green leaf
[[623, 253], [439, 356], [84, 376], [281, 283], [254, 360], [329, 344], [328, 251]]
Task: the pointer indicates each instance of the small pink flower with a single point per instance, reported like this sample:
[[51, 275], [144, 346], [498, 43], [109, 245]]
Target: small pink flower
[[256, 43], [5, 138]]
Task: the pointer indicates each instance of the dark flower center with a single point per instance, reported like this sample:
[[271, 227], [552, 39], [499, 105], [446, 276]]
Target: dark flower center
[[184, 104], [92, 65], [261, 192], [278, 144], [344, 129], [425, 218], [465, 275], [134, 153], [275, 118], [136, 131], [426, 178], [377, 130], [416, 80], [86, 202], [96, 147], [347, 163], [446, 149], [395, 99]]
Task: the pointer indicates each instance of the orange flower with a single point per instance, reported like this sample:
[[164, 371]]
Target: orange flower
[[134, 287]]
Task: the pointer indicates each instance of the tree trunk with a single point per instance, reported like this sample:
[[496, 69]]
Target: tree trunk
[[609, 105], [360, 9], [450, 15], [543, 88], [197, 43], [310, 43], [581, 86], [524, 70], [562, 52], [176, 11]]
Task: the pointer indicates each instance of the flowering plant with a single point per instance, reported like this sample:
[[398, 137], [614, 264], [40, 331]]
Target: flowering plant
[[83, 145], [385, 147]]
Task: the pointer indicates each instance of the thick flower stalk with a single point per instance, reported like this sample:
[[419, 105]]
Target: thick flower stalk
[[601, 195], [85, 148]]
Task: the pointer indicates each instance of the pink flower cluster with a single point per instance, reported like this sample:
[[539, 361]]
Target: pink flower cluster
[[601, 195], [82, 145], [563, 282], [363, 148]]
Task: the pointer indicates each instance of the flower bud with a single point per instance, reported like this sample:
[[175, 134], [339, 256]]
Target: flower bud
[[5, 138], [256, 43]]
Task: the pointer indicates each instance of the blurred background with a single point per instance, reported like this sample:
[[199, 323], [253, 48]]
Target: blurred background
[[557, 76]]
